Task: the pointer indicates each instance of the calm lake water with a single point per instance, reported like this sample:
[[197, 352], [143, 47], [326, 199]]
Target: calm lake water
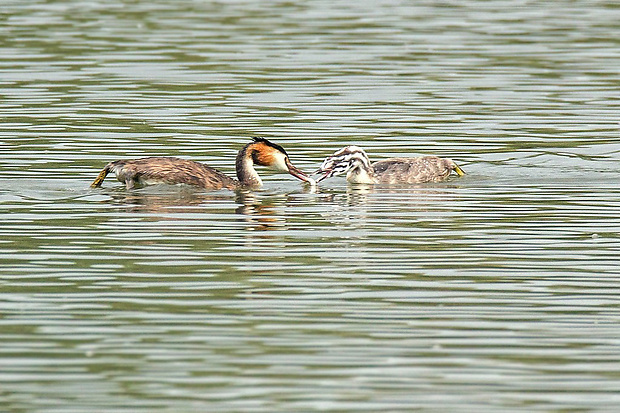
[[494, 292]]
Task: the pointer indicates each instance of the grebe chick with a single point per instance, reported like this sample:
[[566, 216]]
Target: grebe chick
[[169, 170], [353, 161]]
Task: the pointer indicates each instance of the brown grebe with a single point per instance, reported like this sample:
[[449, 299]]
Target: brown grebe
[[353, 161], [169, 170]]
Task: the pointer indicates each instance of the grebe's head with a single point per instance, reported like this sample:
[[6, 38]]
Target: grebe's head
[[273, 156], [343, 161]]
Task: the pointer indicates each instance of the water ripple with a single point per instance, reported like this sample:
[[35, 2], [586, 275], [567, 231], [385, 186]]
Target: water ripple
[[491, 292]]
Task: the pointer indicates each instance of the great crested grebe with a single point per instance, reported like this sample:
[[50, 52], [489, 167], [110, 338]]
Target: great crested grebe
[[353, 161], [169, 170]]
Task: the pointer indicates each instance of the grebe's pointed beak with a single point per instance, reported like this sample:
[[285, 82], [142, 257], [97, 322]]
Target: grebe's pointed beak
[[297, 173], [326, 174]]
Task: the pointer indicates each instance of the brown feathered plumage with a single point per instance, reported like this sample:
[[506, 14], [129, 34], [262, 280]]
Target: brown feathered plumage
[[353, 161], [169, 170], [164, 170], [412, 170]]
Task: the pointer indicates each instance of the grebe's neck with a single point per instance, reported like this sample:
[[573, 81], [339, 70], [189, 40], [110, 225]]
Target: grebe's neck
[[246, 174], [361, 175], [363, 171]]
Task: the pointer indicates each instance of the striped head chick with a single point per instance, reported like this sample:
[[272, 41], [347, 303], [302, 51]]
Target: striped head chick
[[350, 160]]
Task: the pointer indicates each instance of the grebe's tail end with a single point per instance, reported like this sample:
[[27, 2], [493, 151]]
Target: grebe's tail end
[[99, 180], [458, 170]]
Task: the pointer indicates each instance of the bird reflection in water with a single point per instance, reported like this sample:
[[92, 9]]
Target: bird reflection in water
[[360, 204], [261, 213], [184, 200]]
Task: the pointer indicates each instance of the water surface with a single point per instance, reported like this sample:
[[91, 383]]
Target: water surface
[[493, 292]]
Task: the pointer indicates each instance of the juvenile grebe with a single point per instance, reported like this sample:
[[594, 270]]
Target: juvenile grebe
[[168, 170], [353, 161]]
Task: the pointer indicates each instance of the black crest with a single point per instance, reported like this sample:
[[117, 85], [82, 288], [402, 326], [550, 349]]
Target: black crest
[[269, 143]]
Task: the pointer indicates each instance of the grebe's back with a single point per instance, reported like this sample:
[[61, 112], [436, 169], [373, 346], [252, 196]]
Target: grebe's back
[[413, 170], [353, 161], [166, 170], [170, 170]]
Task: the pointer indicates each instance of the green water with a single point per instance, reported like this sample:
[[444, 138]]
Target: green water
[[492, 292]]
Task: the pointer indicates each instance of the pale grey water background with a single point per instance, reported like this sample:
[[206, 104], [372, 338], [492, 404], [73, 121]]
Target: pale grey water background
[[495, 292]]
